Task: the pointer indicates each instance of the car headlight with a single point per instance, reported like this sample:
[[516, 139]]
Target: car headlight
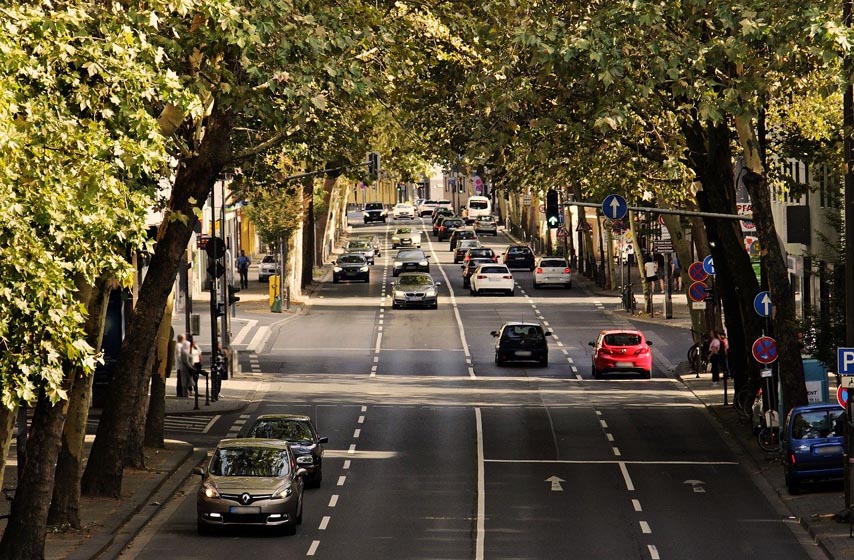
[[283, 492], [363, 269], [399, 294], [209, 488], [305, 460], [422, 263], [365, 215], [395, 240], [398, 264], [337, 269], [430, 291]]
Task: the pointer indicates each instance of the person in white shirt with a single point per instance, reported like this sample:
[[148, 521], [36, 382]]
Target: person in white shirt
[[649, 273]]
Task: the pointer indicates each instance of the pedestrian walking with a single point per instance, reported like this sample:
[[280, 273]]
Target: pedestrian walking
[[185, 368], [179, 385], [649, 273], [196, 357], [676, 270], [243, 269], [715, 357], [659, 270]]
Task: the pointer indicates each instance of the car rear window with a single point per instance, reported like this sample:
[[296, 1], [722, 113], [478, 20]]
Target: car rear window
[[478, 204], [494, 270], [553, 263], [452, 223], [528, 332], [818, 424], [519, 250], [486, 219], [622, 339]]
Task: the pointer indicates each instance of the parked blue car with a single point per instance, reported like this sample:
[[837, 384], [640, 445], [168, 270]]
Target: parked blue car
[[814, 444]]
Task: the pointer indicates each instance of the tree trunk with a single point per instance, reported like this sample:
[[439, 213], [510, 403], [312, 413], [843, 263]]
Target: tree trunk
[[154, 420], [196, 177], [710, 156], [326, 221], [26, 530], [790, 368], [7, 425], [308, 234], [65, 505], [134, 446]]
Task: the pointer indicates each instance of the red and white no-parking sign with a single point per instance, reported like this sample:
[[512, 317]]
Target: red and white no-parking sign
[[765, 350]]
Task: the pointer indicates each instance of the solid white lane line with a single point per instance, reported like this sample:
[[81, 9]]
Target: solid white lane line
[[645, 529], [653, 552], [211, 423], [333, 500], [481, 489], [356, 433], [361, 420], [629, 484], [341, 480], [352, 449], [324, 523], [313, 548], [637, 505]]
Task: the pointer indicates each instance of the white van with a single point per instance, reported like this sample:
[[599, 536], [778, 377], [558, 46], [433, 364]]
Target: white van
[[476, 207]]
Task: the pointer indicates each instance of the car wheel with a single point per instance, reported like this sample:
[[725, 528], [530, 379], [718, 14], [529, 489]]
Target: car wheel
[[544, 362], [299, 515], [511, 292], [569, 285], [290, 529], [466, 283], [367, 279], [394, 305], [647, 374], [394, 272], [792, 485], [537, 286], [472, 291], [596, 374], [499, 362], [334, 279], [435, 305], [531, 269]]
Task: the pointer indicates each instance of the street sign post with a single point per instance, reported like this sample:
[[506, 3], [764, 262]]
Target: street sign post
[[845, 361], [698, 291], [615, 207], [764, 350], [762, 304], [696, 272]]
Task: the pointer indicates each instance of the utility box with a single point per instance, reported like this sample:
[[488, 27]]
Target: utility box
[[274, 288], [815, 375], [195, 324]]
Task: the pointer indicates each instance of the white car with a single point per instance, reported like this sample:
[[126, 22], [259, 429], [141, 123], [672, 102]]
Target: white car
[[406, 237], [403, 211], [268, 267], [492, 277], [426, 207], [552, 271]]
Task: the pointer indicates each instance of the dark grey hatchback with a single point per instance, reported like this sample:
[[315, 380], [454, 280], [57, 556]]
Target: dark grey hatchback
[[299, 432], [410, 260], [521, 342]]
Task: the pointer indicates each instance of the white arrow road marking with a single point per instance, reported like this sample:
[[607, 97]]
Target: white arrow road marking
[[696, 485], [556, 487]]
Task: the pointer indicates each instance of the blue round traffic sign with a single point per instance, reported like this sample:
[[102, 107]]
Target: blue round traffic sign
[[709, 265], [762, 304], [765, 350], [842, 395], [696, 272], [614, 206]]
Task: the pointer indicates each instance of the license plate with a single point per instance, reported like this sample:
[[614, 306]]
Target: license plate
[[828, 450], [245, 509], [523, 353], [625, 364], [414, 298]]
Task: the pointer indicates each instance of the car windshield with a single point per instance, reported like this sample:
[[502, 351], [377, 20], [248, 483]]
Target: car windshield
[[357, 245], [268, 259], [415, 280], [351, 259], [250, 461], [478, 204], [469, 243], [404, 230], [818, 424], [486, 219], [553, 263], [374, 206], [286, 429], [622, 339], [524, 332], [410, 255], [481, 252]]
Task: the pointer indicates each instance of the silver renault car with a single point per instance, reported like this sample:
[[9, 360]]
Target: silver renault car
[[250, 482]]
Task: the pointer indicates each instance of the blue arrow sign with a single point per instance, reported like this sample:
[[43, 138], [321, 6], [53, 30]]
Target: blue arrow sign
[[709, 265], [615, 207], [845, 361], [762, 304]]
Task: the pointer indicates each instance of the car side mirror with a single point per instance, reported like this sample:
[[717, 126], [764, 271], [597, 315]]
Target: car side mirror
[[437, 284], [649, 343], [199, 471], [301, 473], [323, 440], [548, 333], [591, 343], [494, 333], [427, 256]]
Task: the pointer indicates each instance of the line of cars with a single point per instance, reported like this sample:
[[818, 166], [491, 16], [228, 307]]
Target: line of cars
[[258, 479]]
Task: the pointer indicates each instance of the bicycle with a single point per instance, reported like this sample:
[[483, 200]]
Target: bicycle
[[744, 400], [628, 298], [769, 431], [698, 354]]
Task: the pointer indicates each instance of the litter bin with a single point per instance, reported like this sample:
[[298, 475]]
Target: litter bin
[[277, 305]]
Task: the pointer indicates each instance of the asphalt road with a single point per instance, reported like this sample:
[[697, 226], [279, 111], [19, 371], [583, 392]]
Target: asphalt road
[[436, 453]]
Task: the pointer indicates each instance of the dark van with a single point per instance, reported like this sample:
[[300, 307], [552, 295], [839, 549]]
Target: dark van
[[814, 444]]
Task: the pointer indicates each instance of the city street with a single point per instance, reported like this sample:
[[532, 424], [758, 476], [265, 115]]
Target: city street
[[435, 452]]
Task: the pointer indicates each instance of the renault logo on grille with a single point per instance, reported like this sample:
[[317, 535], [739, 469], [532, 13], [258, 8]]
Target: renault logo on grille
[[245, 498]]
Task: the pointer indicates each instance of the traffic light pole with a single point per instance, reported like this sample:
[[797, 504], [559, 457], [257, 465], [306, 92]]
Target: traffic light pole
[[214, 334]]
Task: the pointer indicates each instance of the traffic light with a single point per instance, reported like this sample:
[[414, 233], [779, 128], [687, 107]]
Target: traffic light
[[552, 209], [215, 248], [373, 163], [220, 309], [232, 299]]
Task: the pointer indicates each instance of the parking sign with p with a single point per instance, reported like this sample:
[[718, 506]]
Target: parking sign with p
[[845, 361]]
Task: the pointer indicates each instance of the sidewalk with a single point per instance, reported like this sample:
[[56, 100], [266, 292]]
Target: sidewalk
[[110, 524], [815, 507]]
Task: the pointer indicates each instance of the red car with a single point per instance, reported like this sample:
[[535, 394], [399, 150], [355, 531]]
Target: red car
[[622, 350]]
